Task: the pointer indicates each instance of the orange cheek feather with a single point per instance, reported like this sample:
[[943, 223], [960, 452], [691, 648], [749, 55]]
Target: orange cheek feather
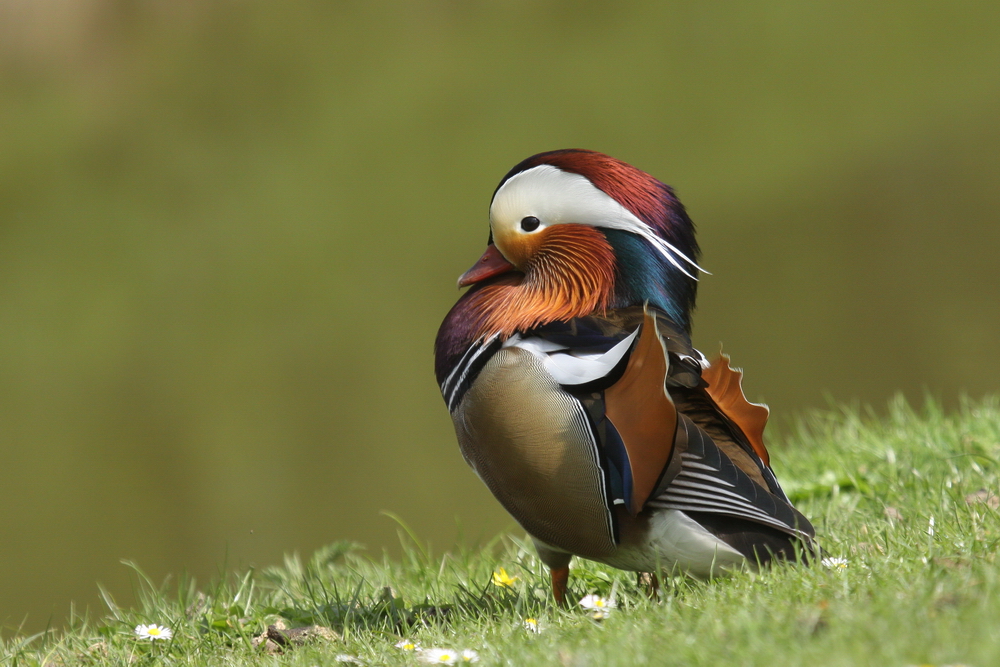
[[518, 248], [569, 272]]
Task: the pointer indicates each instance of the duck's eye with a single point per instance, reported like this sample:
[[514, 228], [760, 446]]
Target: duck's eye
[[530, 223]]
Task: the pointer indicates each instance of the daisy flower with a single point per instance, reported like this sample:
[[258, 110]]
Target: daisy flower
[[531, 625], [502, 579], [153, 632], [439, 656], [408, 645], [835, 563], [599, 607], [596, 602], [468, 655]]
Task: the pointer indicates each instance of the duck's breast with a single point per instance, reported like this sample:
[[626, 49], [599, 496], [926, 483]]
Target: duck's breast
[[532, 444]]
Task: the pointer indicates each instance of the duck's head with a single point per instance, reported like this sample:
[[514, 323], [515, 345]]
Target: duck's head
[[582, 231]]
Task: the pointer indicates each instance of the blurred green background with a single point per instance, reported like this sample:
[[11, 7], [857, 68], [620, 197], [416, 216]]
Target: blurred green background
[[229, 231]]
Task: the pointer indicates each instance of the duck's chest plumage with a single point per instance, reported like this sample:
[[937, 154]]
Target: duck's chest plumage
[[533, 445]]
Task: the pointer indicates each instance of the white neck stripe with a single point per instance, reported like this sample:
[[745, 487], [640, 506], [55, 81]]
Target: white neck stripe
[[558, 197]]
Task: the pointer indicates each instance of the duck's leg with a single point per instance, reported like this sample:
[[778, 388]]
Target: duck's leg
[[560, 578], [558, 562], [651, 582]]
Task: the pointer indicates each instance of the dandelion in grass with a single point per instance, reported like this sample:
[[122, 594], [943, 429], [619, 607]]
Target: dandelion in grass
[[502, 579], [468, 655], [408, 645], [835, 563], [153, 632], [531, 625], [439, 656]]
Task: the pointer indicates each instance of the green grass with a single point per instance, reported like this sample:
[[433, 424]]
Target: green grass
[[873, 487]]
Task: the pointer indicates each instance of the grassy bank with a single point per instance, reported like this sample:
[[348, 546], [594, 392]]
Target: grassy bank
[[906, 507]]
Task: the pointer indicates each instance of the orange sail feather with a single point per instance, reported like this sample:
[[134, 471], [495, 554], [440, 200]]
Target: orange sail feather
[[725, 388]]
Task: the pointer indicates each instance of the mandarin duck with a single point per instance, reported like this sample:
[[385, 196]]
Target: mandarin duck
[[577, 396]]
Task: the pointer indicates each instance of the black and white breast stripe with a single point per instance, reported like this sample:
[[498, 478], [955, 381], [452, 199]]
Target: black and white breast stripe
[[584, 425], [467, 369]]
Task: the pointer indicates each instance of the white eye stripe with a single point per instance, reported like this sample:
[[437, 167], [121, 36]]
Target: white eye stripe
[[555, 197]]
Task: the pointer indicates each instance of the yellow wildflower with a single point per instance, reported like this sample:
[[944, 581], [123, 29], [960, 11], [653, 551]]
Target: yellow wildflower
[[501, 578]]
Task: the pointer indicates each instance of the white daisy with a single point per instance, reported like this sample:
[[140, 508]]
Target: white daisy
[[408, 645], [468, 655], [531, 625], [439, 656], [835, 563], [597, 603], [153, 632], [599, 607]]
